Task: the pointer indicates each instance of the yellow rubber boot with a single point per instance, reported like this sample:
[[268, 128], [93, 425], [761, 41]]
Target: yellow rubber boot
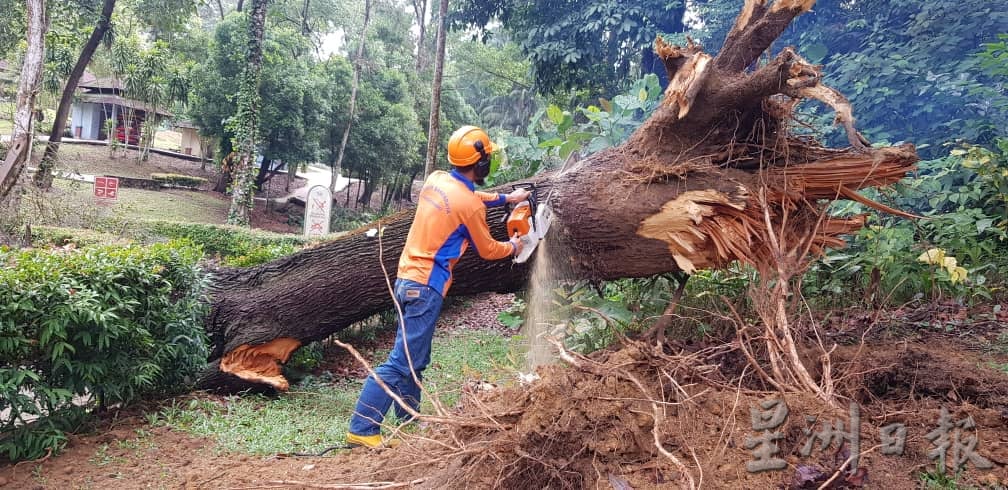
[[372, 442]]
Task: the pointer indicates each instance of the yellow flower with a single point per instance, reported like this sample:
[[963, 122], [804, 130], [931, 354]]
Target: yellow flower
[[957, 274], [932, 256], [949, 263]]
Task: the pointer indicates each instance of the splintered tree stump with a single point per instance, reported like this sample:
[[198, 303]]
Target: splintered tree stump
[[708, 179]]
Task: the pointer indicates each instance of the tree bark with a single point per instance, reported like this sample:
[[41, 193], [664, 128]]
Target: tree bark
[[13, 164], [714, 176], [420, 11], [243, 187], [43, 177], [435, 112], [353, 96]]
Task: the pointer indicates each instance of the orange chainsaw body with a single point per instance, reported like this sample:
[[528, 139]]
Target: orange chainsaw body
[[519, 222]]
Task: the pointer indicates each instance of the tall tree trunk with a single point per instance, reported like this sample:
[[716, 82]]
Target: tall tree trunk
[[714, 176], [358, 61], [243, 188], [420, 11], [43, 178], [305, 28], [220, 7], [20, 150], [435, 113]]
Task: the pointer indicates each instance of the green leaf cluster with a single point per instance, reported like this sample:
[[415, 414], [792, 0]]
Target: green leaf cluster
[[91, 328], [962, 199], [554, 133]]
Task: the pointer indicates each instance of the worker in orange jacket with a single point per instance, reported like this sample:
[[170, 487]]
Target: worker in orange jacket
[[450, 216]]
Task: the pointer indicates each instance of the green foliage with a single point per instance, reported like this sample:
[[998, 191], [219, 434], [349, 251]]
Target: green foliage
[[233, 245], [512, 316], [93, 327], [591, 46], [911, 70], [939, 479], [347, 219], [54, 236], [177, 180], [12, 25], [554, 133], [307, 357], [961, 198], [291, 106]]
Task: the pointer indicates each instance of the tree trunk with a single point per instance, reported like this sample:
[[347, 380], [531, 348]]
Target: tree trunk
[[353, 96], [435, 112], [712, 177], [20, 150], [243, 188], [43, 177], [420, 11]]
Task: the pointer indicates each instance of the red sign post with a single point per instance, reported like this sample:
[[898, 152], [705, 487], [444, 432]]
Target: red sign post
[[106, 188]]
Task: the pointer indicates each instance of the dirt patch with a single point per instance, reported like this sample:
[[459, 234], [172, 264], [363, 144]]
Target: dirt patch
[[595, 426]]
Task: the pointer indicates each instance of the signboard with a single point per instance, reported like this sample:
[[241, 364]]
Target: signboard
[[318, 206], [106, 188]]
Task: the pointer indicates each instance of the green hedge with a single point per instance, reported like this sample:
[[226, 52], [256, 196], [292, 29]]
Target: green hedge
[[232, 245], [177, 180], [90, 328]]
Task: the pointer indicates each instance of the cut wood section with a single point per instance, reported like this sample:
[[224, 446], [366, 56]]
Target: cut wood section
[[261, 363], [714, 175]]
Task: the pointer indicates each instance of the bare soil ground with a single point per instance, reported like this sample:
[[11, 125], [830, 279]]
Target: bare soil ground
[[593, 427]]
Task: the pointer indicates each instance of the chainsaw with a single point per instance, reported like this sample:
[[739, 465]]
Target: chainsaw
[[529, 220]]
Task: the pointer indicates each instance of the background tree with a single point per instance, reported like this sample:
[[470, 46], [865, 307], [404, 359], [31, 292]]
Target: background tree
[[245, 123], [593, 46], [435, 112], [29, 84], [358, 59], [43, 177], [909, 67], [291, 102]]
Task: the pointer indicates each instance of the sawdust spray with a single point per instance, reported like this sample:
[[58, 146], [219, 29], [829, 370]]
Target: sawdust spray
[[540, 310]]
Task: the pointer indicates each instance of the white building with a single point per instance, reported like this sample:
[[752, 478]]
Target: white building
[[100, 100]]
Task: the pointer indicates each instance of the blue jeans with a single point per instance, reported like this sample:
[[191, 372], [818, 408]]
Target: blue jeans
[[420, 306]]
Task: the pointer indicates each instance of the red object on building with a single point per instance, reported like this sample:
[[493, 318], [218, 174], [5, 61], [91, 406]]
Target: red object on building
[[106, 188]]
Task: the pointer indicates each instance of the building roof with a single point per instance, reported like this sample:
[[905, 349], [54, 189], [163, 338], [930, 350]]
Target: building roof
[[122, 102], [89, 81]]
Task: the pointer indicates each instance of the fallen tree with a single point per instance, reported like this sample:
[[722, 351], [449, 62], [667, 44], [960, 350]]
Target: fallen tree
[[715, 175]]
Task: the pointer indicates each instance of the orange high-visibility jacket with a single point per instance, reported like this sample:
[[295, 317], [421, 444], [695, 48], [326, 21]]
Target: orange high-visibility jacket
[[450, 215]]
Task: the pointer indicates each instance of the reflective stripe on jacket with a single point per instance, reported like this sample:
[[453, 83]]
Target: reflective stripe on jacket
[[450, 215]]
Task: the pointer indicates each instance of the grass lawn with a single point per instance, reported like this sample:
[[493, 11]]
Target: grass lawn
[[315, 414], [95, 160], [140, 204]]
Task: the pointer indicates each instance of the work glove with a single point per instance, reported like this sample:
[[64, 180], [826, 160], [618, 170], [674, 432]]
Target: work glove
[[518, 195], [516, 241]]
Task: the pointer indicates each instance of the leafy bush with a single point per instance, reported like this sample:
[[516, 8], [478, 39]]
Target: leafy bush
[[962, 200], [233, 245], [91, 328], [43, 236], [177, 180]]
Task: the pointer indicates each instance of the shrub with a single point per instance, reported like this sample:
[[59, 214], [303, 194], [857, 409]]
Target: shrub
[[177, 180], [90, 328], [234, 246], [43, 236]]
